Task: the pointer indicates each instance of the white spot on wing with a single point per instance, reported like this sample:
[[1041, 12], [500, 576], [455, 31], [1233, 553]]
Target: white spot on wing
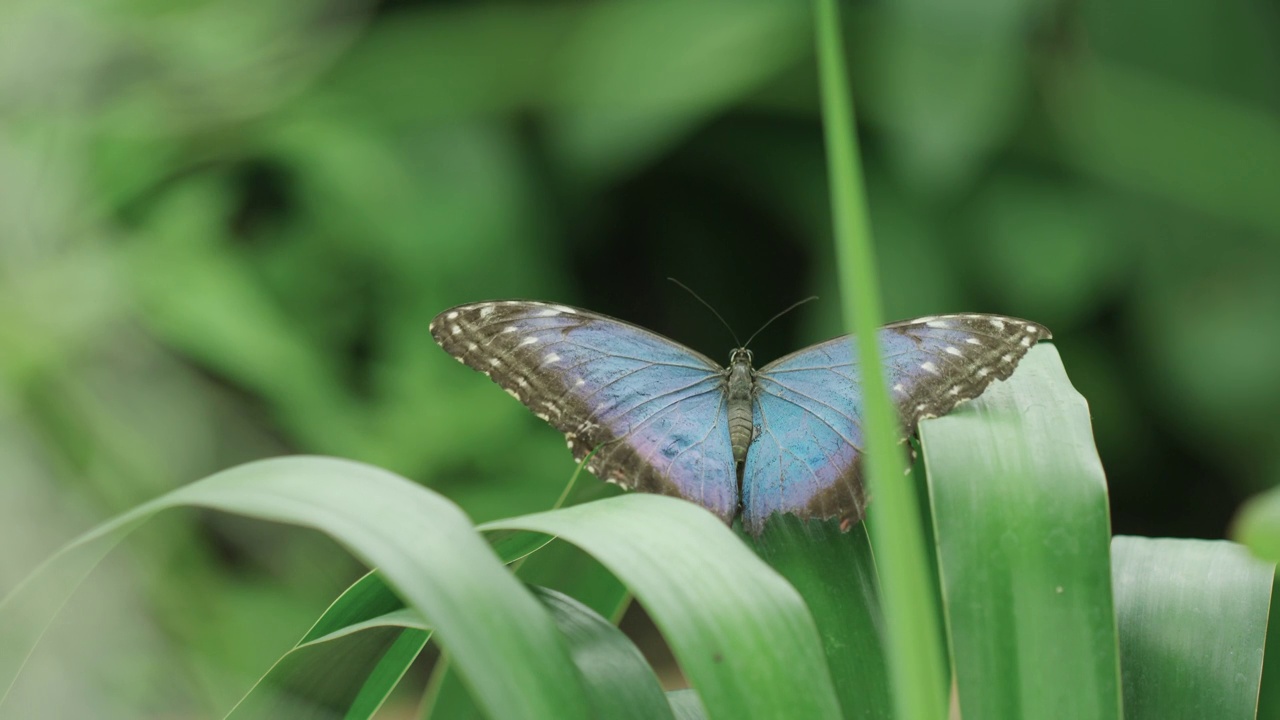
[[549, 312], [929, 367], [997, 323], [472, 347], [512, 393], [973, 341], [495, 362], [486, 311], [899, 388], [565, 309], [579, 382], [551, 357], [529, 340], [1026, 342], [455, 329], [983, 372], [938, 324], [926, 319], [510, 328], [1006, 358], [953, 351], [452, 316]]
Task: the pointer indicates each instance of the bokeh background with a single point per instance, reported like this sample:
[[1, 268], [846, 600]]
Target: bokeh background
[[226, 224]]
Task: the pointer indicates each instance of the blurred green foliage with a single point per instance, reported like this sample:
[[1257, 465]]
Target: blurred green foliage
[[225, 225]]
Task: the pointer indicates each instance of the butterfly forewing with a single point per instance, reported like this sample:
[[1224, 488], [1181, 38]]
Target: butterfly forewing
[[808, 409], [653, 410]]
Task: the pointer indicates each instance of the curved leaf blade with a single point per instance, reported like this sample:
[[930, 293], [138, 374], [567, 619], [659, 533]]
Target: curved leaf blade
[[620, 684], [503, 641], [1192, 616], [742, 635], [1021, 520]]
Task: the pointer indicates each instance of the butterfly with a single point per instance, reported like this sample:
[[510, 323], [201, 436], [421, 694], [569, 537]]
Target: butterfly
[[663, 418]]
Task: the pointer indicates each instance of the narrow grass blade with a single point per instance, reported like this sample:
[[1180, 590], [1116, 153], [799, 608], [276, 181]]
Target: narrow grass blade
[[836, 574], [1192, 616], [503, 641], [742, 635], [914, 640], [347, 664], [1023, 536]]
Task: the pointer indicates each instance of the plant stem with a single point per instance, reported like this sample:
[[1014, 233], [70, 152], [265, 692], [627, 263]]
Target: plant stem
[[914, 640]]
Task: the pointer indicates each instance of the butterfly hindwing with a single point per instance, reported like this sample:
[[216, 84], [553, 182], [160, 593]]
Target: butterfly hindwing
[[653, 410], [808, 407]]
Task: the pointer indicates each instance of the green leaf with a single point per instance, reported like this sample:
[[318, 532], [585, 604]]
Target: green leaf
[[502, 640], [686, 704], [1020, 514], [742, 635], [836, 573], [1258, 525], [620, 684], [1192, 617], [348, 662]]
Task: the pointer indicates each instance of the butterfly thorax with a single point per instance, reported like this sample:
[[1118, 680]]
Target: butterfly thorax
[[738, 397]]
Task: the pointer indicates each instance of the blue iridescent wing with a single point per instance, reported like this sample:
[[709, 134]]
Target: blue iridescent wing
[[808, 407], [653, 410]]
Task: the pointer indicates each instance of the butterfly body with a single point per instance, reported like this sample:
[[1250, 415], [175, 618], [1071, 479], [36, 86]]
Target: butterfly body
[[663, 418], [739, 392]]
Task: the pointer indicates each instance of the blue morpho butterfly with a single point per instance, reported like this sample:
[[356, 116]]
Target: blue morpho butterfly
[[666, 419]]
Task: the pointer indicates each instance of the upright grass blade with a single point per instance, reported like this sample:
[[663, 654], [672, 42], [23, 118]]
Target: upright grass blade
[[1023, 538], [742, 635], [917, 669], [1192, 618], [502, 639]]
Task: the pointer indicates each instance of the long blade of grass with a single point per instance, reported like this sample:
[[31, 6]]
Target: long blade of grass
[[742, 635], [917, 670], [1192, 618], [503, 641], [346, 665], [1023, 538]]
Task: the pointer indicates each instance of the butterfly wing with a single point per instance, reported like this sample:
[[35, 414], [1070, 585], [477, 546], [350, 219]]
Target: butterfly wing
[[808, 407], [653, 410]]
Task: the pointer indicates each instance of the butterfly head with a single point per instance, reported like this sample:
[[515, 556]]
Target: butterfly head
[[740, 355]]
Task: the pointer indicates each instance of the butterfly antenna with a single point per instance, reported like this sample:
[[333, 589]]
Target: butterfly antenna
[[713, 310], [793, 306]]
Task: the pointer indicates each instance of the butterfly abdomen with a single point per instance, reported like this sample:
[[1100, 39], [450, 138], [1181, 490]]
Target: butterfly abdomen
[[738, 398]]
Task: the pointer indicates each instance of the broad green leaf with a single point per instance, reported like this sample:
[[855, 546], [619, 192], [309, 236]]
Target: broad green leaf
[[620, 684], [742, 635], [1192, 619], [1023, 538], [503, 641], [836, 574]]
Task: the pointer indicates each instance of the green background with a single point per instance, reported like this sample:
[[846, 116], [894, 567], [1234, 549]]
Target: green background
[[225, 225]]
